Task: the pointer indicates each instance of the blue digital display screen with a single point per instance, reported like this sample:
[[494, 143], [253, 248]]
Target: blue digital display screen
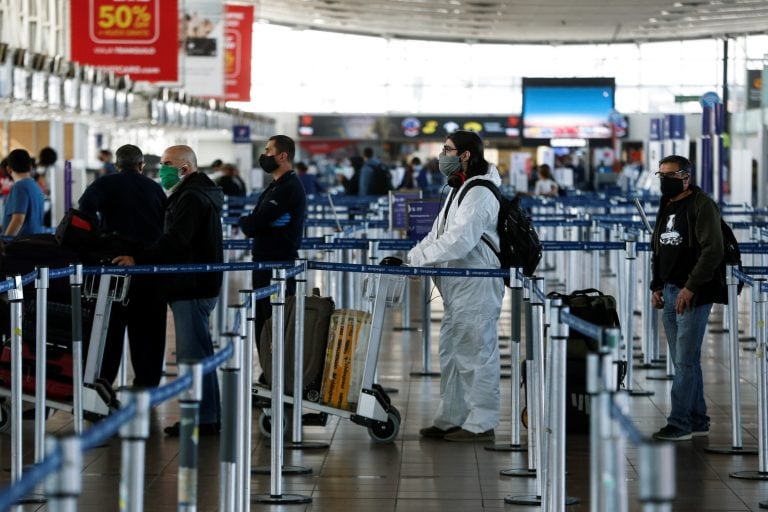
[[567, 108]]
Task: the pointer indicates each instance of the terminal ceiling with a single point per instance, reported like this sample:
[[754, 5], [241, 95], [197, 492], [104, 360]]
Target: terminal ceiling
[[524, 21]]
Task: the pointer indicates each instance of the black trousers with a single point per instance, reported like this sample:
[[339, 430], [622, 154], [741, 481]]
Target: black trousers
[[144, 316]]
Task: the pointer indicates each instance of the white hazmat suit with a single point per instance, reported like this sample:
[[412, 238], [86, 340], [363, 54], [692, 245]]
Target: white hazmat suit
[[469, 348]]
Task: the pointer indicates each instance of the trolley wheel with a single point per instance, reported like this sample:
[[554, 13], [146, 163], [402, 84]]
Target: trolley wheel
[[265, 424], [5, 417], [396, 412], [524, 417], [385, 432]]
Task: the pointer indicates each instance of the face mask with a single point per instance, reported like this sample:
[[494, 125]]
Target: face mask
[[169, 176], [268, 163], [449, 164], [671, 187]]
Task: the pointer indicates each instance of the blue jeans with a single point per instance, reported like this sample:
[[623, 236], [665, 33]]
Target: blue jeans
[[193, 343], [685, 334]]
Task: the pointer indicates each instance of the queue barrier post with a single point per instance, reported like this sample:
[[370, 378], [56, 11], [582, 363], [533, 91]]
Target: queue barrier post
[[533, 312], [276, 495], [64, 487], [134, 435], [189, 403], [41, 339], [762, 390], [649, 341], [554, 497], [243, 429], [657, 476], [426, 331], [516, 308], [76, 286], [732, 311], [629, 319], [16, 299], [230, 454]]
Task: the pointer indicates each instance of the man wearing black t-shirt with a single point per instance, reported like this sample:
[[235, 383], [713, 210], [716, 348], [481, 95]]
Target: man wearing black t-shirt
[[687, 248]]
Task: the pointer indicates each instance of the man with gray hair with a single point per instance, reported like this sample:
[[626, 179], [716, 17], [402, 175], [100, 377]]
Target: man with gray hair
[[192, 234]]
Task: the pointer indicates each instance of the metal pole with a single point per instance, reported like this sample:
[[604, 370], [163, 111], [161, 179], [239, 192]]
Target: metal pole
[[65, 486], [278, 374], [298, 351], [596, 237], [229, 448], [426, 332], [244, 405], [619, 455], [650, 349], [631, 252], [41, 340], [554, 497], [597, 412], [189, 403], [76, 284], [134, 435], [516, 301], [657, 476], [16, 298]]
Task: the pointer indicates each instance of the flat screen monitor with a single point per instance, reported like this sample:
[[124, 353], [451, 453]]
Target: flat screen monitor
[[567, 108]]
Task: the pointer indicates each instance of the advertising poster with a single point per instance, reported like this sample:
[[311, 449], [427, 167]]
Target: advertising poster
[[202, 47], [132, 37], [238, 38]]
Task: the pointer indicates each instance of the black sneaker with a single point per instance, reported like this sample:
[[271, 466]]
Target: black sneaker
[[434, 432], [700, 431], [672, 433], [204, 429]]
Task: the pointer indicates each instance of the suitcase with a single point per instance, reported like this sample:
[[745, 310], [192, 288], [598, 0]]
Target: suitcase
[[58, 350], [345, 358], [317, 318], [599, 309]]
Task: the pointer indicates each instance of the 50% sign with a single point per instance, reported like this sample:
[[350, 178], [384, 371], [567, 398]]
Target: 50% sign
[[124, 20]]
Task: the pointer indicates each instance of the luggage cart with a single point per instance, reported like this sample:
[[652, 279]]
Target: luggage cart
[[99, 399], [374, 409]]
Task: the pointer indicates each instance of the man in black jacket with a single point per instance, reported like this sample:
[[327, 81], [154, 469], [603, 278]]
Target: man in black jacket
[[277, 222], [133, 206], [192, 234], [687, 246]]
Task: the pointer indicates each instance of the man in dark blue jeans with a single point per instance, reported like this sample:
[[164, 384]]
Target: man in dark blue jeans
[[191, 234], [687, 248]]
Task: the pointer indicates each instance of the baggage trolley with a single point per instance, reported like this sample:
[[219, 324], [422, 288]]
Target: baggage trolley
[[373, 408], [99, 399]]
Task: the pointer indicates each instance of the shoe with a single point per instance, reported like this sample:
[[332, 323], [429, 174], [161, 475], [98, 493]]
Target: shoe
[[434, 432], [204, 429], [465, 436], [672, 433], [700, 431]]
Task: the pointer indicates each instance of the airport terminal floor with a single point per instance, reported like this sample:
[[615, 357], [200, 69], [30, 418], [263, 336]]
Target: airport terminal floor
[[417, 474]]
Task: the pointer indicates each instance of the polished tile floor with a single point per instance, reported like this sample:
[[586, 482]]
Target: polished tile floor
[[413, 474]]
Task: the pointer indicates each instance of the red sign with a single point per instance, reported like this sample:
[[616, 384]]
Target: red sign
[[138, 38], [237, 52]]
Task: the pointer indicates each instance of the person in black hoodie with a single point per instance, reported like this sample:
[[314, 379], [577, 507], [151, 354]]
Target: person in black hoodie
[[276, 224], [133, 206], [191, 234]]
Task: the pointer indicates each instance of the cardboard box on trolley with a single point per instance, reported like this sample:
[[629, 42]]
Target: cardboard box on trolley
[[344, 363]]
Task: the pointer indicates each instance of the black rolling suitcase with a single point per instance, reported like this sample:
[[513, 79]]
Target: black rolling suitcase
[[317, 318], [599, 309]]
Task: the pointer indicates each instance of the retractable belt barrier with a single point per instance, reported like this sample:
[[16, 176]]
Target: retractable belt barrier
[[64, 454]]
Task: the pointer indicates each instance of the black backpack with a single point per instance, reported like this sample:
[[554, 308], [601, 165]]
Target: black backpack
[[520, 245], [381, 181], [731, 251]]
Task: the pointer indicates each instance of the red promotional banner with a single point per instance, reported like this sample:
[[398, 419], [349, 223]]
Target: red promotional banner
[[237, 54], [132, 37]]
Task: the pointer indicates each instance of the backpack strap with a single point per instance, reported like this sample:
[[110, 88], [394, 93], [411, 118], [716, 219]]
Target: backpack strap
[[497, 194]]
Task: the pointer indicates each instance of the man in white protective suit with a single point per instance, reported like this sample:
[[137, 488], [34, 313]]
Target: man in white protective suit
[[464, 236]]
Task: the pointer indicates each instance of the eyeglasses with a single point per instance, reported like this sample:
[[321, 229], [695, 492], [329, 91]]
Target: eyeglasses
[[448, 149], [680, 175]]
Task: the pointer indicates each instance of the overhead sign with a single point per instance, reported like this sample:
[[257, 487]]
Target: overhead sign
[[125, 36], [406, 127], [238, 38], [202, 47]]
